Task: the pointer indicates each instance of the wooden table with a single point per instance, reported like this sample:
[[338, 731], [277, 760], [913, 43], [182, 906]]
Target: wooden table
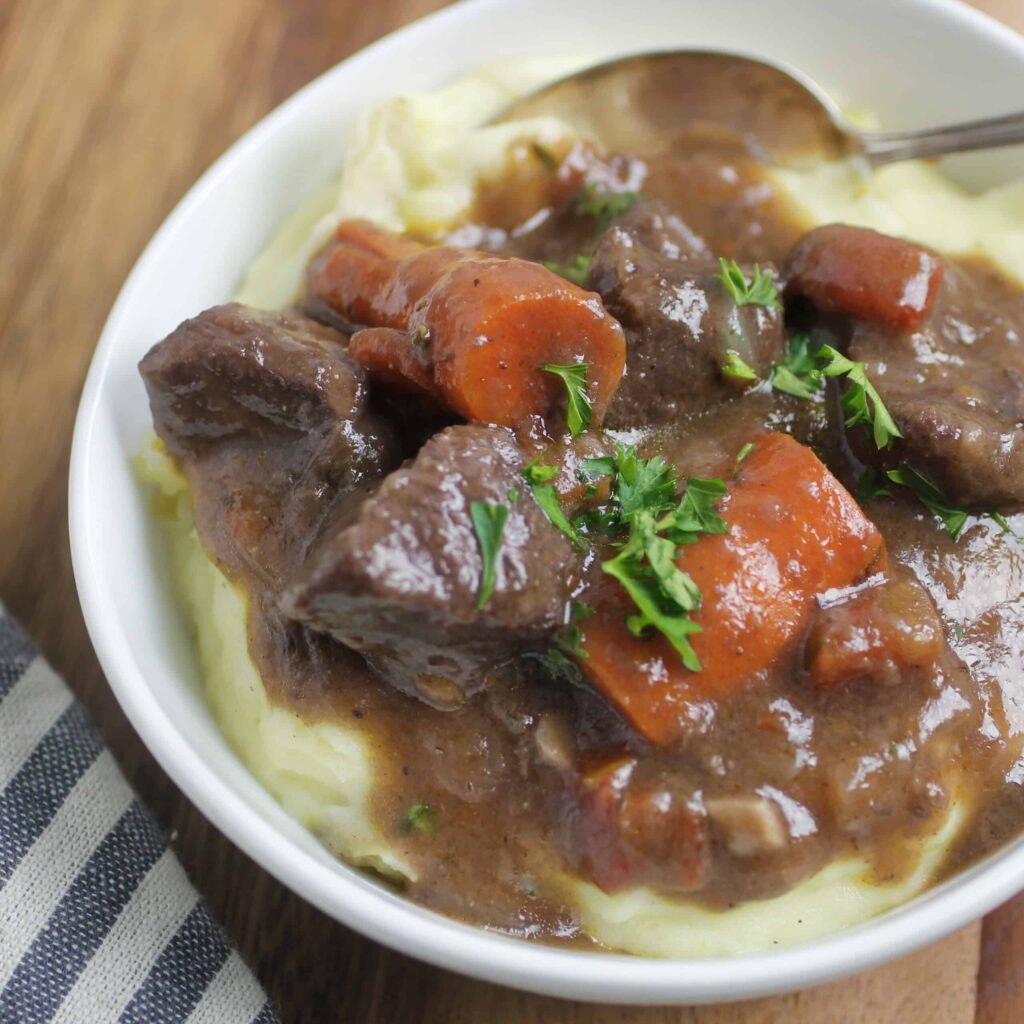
[[109, 109]]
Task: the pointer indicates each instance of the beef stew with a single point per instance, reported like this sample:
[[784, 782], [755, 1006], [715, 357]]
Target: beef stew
[[649, 537]]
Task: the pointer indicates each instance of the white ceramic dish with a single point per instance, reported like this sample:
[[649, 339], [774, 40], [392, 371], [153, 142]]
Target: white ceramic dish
[[914, 61]]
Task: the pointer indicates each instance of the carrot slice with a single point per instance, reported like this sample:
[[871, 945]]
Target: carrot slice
[[373, 278], [794, 531], [862, 273], [387, 354], [476, 328]]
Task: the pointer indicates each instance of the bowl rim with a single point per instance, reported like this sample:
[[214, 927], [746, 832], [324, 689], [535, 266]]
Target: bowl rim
[[399, 923]]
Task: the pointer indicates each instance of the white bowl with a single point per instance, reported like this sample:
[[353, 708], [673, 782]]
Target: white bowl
[[916, 62]]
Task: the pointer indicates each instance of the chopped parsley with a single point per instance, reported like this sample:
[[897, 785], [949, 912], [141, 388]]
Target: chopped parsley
[[1004, 526], [419, 818], [575, 271], [537, 473], [663, 594], [642, 485], [734, 366], [860, 401], [741, 455], [798, 374], [759, 291], [872, 484], [802, 374], [953, 519], [489, 523], [658, 522], [545, 493], [512, 494], [557, 665], [696, 513], [596, 467], [559, 661], [646, 506], [578, 409], [604, 207]]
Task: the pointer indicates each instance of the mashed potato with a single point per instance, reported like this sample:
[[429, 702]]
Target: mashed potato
[[413, 164], [320, 773]]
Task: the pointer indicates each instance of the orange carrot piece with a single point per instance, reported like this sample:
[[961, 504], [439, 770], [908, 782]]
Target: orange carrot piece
[[863, 273], [476, 327], [387, 354], [374, 278], [794, 532]]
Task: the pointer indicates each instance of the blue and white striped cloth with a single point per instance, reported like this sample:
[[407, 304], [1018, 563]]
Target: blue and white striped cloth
[[98, 922]]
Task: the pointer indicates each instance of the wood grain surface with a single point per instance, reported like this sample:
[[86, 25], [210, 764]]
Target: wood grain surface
[[109, 109]]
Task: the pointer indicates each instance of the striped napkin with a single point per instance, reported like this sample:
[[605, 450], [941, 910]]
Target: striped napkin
[[97, 919]]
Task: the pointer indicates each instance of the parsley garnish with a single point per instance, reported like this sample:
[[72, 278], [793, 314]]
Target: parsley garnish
[[596, 467], [557, 665], [604, 207], [663, 594], [578, 410], [537, 473], [860, 401], [569, 638], [658, 522], [741, 455], [1004, 526], [575, 271], [734, 366], [546, 495], [559, 661], [798, 374], [953, 519], [802, 374], [871, 485], [512, 494], [489, 523], [419, 817], [696, 512], [642, 485], [760, 291]]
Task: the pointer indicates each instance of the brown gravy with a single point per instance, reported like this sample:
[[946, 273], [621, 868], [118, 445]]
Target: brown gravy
[[863, 772]]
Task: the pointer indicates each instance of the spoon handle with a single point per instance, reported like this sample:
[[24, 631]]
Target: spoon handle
[[888, 147]]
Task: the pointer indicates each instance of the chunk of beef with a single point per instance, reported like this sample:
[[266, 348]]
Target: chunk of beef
[[654, 226], [883, 635], [680, 323], [267, 417], [631, 830], [401, 582], [956, 388], [234, 371]]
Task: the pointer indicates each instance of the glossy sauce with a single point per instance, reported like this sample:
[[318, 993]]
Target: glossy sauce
[[865, 771]]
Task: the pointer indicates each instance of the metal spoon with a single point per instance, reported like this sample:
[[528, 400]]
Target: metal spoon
[[654, 101]]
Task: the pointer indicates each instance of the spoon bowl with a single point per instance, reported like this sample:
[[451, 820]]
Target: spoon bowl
[[651, 102]]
